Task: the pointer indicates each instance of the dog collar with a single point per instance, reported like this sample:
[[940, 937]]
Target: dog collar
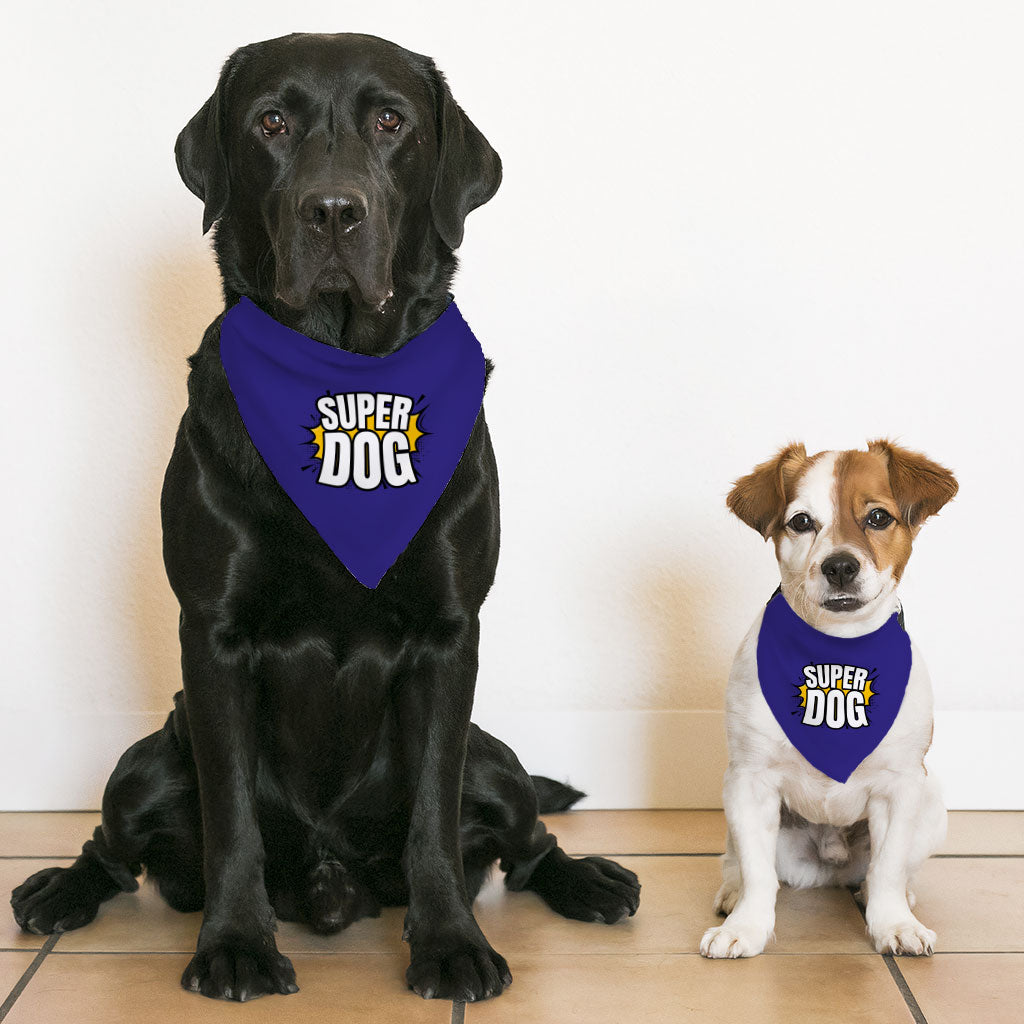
[[835, 698], [363, 445]]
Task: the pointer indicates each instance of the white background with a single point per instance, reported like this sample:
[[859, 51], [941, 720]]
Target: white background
[[722, 227]]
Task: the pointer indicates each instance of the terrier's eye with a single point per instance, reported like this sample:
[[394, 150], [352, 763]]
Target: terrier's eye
[[879, 519], [389, 121], [273, 123], [801, 523]]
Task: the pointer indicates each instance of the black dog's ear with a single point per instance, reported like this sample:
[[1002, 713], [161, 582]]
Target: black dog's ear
[[468, 169], [200, 153]]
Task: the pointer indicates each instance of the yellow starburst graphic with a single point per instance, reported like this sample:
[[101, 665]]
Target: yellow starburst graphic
[[867, 691], [412, 432]]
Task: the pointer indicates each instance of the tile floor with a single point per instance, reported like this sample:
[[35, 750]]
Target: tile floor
[[125, 966]]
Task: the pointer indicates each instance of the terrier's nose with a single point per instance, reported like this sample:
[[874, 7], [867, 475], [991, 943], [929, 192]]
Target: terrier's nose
[[840, 569], [342, 210]]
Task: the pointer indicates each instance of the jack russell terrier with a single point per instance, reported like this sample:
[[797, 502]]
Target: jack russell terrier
[[829, 705]]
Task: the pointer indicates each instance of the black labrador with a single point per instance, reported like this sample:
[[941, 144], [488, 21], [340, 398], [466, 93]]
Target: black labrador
[[320, 765]]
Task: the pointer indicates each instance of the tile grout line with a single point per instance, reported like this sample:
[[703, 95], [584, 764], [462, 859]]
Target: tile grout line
[[895, 973], [901, 984], [458, 1012], [620, 853], [938, 954], [976, 856], [597, 853], [23, 981], [721, 853]]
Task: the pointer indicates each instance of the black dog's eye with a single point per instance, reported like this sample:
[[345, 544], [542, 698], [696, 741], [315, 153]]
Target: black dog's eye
[[801, 523], [879, 519], [389, 121], [273, 123]]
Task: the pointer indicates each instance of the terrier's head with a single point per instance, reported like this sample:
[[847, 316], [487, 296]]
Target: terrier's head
[[843, 524]]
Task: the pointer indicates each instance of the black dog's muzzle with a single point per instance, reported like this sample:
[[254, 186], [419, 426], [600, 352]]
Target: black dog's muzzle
[[330, 226]]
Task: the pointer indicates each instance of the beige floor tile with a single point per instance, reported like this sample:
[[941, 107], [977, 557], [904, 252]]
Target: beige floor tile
[[985, 832], [128, 988], [970, 832], [968, 988], [45, 833], [13, 873], [142, 922], [675, 909], [667, 989], [639, 831], [12, 967], [61, 833], [973, 904]]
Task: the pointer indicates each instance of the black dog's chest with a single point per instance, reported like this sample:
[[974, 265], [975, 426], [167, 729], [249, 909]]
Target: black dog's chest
[[329, 660], [288, 588], [327, 656]]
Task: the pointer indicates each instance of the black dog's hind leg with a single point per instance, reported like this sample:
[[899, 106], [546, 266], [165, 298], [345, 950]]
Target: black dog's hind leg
[[147, 806], [499, 822]]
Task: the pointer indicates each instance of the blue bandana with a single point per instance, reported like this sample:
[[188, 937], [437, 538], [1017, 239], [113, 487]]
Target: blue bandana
[[363, 445], [835, 697]]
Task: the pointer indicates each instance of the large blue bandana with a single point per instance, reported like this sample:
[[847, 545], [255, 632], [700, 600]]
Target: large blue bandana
[[835, 697], [363, 445]]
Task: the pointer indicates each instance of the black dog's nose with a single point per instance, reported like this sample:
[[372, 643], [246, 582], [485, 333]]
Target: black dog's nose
[[840, 569], [326, 209]]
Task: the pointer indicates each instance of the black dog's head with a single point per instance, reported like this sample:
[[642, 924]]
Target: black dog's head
[[335, 164]]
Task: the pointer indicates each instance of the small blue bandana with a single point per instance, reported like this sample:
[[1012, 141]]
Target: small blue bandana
[[363, 445], [834, 697]]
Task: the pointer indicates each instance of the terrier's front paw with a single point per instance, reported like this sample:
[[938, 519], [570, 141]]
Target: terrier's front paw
[[905, 938], [732, 940]]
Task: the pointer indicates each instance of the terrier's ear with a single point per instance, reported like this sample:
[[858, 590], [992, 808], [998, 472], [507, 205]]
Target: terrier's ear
[[921, 487], [760, 497]]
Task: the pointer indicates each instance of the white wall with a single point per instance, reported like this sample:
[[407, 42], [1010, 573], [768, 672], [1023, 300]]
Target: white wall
[[723, 226]]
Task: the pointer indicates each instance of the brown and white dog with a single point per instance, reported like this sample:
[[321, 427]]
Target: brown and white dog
[[842, 524]]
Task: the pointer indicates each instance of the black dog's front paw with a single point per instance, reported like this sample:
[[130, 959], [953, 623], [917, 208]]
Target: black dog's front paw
[[459, 966], [239, 969]]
